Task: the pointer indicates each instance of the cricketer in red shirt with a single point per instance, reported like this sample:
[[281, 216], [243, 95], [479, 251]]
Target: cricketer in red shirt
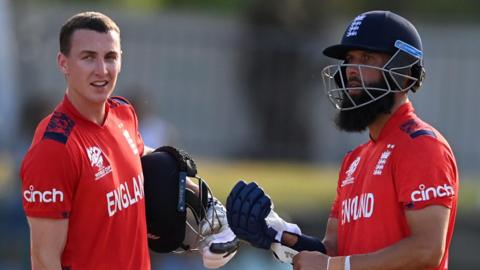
[[91, 175], [410, 166]]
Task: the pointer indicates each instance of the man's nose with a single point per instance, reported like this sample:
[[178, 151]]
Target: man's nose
[[101, 67], [352, 71]]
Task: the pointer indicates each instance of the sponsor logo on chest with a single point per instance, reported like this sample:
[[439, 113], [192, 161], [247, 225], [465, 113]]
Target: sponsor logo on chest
[[358, 207], [95, 155], [125, 195]]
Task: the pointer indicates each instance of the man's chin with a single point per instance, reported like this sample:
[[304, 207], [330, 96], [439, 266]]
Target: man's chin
[[350, 123], [358, 120], [100, 95]]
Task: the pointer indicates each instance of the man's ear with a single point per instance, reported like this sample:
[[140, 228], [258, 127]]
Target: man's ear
[[62, 63]]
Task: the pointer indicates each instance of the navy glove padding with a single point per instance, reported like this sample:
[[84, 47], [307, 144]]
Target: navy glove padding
[[247, 208]]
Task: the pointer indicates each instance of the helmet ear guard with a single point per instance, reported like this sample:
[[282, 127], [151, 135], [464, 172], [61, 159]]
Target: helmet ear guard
[[404, 71], [418, 71]]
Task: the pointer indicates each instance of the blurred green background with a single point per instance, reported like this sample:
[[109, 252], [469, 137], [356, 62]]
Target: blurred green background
[[237, 84]]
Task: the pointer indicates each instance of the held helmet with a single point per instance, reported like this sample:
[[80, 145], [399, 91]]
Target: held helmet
[[173, 211], [376, 31]]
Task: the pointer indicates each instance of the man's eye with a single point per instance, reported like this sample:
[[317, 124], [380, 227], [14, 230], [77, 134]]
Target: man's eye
[[366, 58], [111, 57]]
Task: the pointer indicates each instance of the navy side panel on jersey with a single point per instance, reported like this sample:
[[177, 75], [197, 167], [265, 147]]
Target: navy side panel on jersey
[[59, 127], [414, 129], [117, 101]]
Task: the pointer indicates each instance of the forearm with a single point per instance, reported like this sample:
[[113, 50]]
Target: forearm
[[47, 241], [45, 261], [408, 253], [330, 247]]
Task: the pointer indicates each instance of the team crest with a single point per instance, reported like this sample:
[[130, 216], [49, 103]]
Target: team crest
[[355, 25], [383, 160], [129, 139], [95, 156]]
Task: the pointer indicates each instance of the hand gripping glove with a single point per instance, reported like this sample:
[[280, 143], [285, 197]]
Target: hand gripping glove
[[220, 244], [185, 161], [251, 217]]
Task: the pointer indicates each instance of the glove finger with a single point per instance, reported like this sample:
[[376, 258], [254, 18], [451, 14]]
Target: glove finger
[[255, 222], [243, 194], [234, 193], [261, 208], [223, 242], [227, 247], [241, 234], [238, 216], [232, 211], [249, 201]]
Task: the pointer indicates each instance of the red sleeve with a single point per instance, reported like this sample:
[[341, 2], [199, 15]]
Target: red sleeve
[[426, 174], [48, 180]]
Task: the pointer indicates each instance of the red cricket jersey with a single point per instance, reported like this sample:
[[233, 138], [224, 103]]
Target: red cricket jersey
[[409, 167], [91, 175]]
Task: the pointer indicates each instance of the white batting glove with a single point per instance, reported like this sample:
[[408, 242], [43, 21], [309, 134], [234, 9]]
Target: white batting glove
[[282, 253], [220, 244], [278, 224]]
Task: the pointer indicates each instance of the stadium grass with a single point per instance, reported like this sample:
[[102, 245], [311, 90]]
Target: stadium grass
[[299, 188], [293, 187]]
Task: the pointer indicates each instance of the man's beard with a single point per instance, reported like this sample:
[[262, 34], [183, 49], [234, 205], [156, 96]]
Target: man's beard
[[357, 120]]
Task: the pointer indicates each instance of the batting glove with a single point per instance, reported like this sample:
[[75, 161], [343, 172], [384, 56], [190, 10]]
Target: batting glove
[[251, 216], [220, 244]]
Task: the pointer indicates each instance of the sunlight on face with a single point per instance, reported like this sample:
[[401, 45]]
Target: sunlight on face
[[369, 75], [92, 65]]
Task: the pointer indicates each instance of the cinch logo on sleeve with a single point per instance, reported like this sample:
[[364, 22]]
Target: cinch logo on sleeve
[[425, 194], [49, 196]]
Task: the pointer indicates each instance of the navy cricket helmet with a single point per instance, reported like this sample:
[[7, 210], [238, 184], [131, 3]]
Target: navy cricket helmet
[[173, 211], [382, 32]]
